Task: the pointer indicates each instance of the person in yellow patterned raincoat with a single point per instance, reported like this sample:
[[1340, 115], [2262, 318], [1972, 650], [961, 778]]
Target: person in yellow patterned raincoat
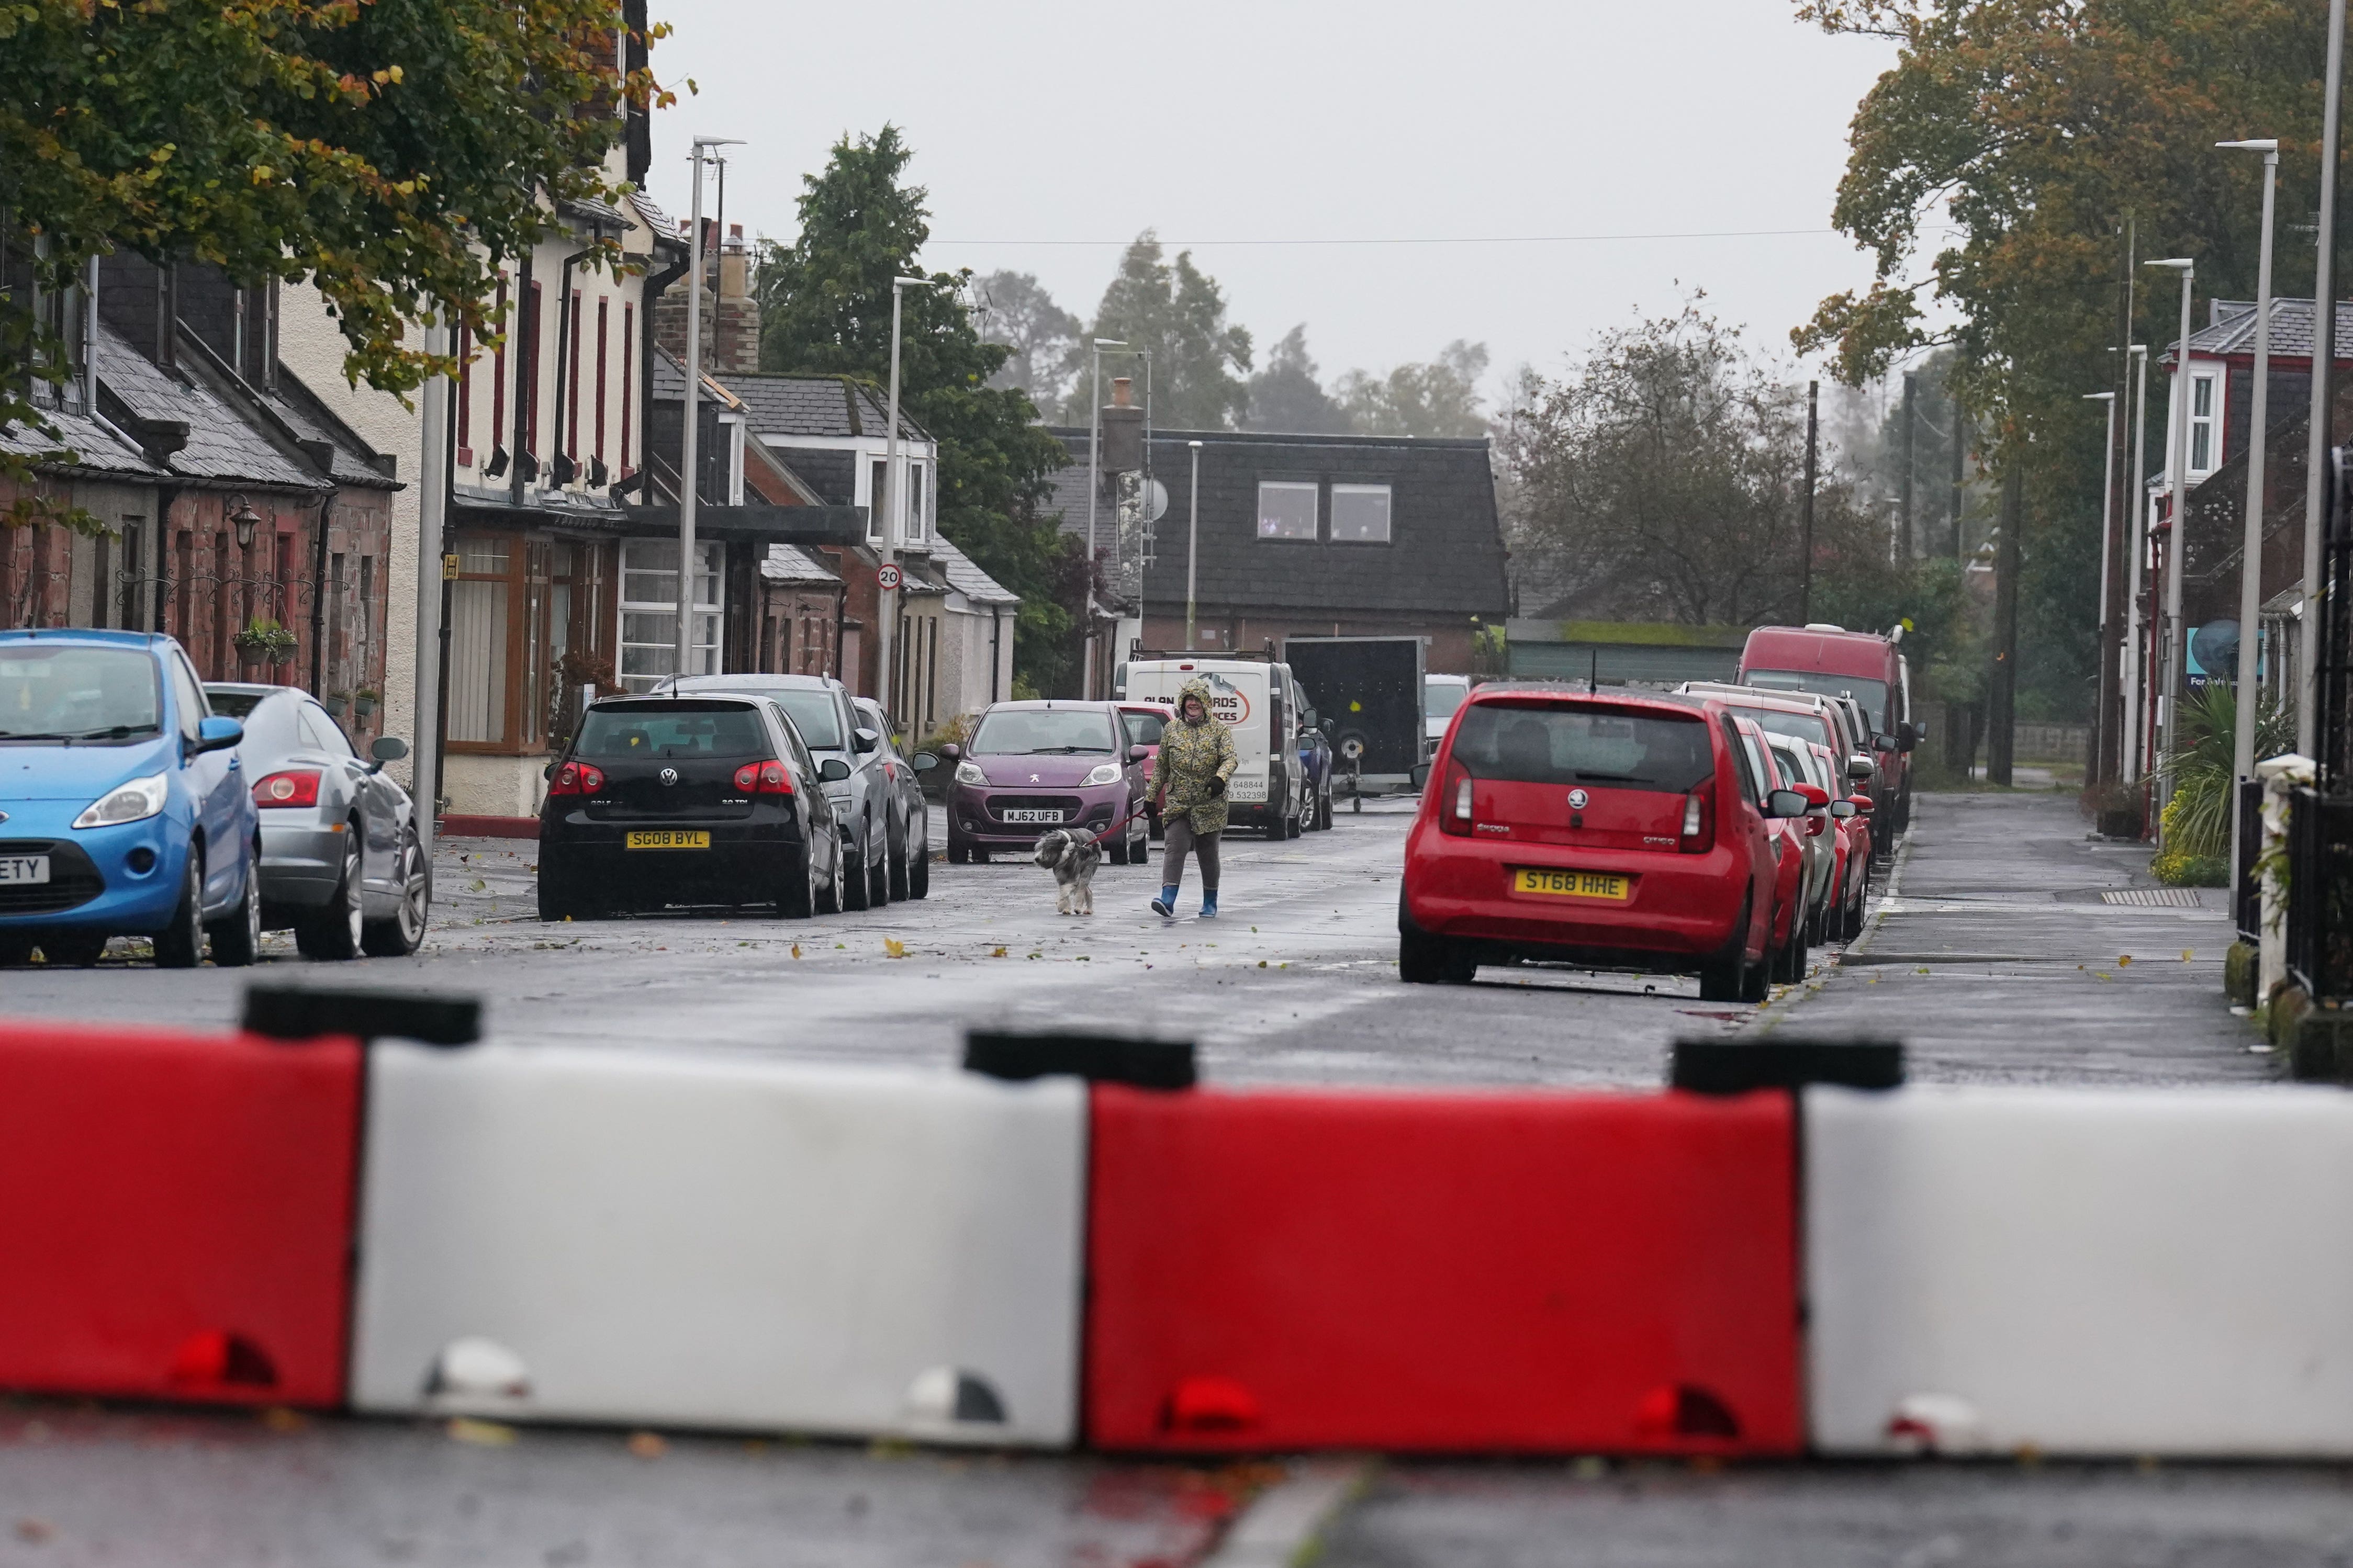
[[1196, 758]]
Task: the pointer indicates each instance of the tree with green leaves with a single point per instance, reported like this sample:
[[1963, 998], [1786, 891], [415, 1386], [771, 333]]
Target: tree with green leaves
[[1177, 312], [824, 308], [1287, 396], [1995, 174], [1438, 398], [1016, 310], [391, 152]]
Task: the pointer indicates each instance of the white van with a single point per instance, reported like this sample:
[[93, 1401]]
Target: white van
[[1250, 697]]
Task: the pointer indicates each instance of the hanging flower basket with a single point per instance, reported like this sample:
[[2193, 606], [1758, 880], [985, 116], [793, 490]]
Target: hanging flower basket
[[266, 642], [363, 703]]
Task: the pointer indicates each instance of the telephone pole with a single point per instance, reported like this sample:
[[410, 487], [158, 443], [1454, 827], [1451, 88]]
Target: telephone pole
[[1806, 524]]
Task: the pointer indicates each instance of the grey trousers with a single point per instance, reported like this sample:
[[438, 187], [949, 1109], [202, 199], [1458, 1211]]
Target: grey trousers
[[1203, 846]]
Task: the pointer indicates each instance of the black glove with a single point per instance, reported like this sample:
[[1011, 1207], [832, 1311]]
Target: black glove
[[1216, 786]]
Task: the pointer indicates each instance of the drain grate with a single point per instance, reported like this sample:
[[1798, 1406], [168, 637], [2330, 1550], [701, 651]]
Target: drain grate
[[2154, 898]]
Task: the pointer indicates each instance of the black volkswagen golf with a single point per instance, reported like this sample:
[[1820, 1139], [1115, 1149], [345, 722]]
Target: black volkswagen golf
[[687, 800]]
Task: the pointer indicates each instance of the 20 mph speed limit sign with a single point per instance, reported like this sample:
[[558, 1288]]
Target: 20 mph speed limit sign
[[888, 577]]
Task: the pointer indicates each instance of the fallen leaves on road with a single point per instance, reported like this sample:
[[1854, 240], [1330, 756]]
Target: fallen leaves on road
[[2122, 959], [998, 952], [2187, 954], [647, 1445], [479, 1433], [278, 1418], [796, 950], [893, 948]]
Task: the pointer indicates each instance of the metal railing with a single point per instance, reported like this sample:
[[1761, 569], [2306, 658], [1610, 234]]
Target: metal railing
[[2320, 894]]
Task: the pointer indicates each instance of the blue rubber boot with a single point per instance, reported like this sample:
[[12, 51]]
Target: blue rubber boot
[[1165, 906], [1209, 904]]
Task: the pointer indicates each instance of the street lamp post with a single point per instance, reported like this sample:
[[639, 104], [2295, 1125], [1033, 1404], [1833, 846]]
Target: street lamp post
[[1192, 545], [2136, 672], [2169, 672], [2323, 374], [688, 489], [2107, 505], [886, 604], [1094, 482], [2251, 549]]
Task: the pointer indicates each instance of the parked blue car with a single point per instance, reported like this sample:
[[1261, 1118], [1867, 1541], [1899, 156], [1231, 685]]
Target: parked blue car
[[123, 811]]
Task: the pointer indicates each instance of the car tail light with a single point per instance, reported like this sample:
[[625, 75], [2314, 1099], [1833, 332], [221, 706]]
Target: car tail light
[[1699, 823], [1454, 802], [576, 778], [764, 778], [295, 786]]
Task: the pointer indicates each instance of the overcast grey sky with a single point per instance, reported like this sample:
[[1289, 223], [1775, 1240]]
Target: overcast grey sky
[[1216, 122]]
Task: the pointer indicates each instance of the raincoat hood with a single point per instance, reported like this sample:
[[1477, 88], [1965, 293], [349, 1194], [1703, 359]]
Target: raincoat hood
[[1197, 687]]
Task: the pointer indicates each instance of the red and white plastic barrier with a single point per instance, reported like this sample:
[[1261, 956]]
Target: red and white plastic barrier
[[598, 1236], [2080, 1270], [1494, 1271], [176, 1214], [672, 1239]]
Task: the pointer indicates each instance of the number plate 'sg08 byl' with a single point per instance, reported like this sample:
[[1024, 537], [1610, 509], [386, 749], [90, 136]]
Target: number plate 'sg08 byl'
[[670, 838]]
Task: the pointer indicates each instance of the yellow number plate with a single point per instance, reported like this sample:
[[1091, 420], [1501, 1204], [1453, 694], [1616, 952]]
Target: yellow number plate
[[670, 838], [1572, 884]]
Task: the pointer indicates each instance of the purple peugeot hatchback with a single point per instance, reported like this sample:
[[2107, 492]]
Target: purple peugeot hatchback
[[1033, 766]]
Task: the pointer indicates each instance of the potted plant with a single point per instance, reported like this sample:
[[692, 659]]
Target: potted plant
[[334, 702], [363, 702], [264, 641]]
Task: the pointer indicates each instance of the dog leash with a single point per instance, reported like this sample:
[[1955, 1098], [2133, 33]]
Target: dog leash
[[1122, 822]]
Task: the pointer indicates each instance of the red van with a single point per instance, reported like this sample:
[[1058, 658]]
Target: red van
[[1864, 666], [1629, 830]]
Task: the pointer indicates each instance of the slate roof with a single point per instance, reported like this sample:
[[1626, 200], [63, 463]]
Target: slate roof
[[791, 563], [310, 419], [959, 572], [94, 446], [223, 442], [830, 405], [1444, 558], [669, 383], [660, 222], [2233, 331]]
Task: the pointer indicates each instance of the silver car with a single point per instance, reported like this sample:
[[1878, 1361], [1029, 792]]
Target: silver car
[[340, 861], [819, 708], [910, 814]]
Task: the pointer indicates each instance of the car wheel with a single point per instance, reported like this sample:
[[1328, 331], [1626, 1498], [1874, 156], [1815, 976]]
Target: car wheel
[[16, 950], [237, 939], [557, 898], [918, 870], [828, 899], [1427, 960], [899, 869], [797, 899], [878, 877], [1725, 977], [403, 932], [857, 889], [957, 852], [979, 856], [74, 949], [1117, 852], [181, 945], [332, 932], [1324, 810]]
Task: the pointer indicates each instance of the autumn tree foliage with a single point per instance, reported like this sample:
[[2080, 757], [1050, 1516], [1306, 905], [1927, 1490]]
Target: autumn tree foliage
[[392, 152]]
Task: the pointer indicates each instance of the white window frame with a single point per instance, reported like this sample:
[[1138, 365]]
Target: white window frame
[[2209, 423], [703, 656], [1388, 511], [1316, 510]]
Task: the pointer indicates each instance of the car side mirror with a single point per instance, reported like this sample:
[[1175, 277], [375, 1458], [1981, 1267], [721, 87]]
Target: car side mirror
[[1907, 735], [924, 762], [1862, 803], [833, 770], [1785, 803], [1842, 809], [1860, 766], [388, 749], [952, 750], [1138, 753], [1816, 796], [216, 734], [868, 739], [1884, 743], [1310, 720]]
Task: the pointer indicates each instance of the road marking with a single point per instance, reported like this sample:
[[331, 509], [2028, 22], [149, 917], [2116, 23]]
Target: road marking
[[1284, 1525]]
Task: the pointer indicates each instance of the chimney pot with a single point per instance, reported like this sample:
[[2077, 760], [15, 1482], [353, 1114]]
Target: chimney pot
[[1122, 392]]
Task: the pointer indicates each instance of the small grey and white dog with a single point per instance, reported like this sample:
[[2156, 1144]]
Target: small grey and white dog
[[1073, 856]]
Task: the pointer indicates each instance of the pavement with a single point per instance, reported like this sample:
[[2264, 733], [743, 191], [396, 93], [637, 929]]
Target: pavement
[[1995, 952]]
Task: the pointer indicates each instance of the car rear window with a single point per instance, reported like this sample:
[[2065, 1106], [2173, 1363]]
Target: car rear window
[[1143, 729], [1796, 726], [1563, 743], [685, 728]]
